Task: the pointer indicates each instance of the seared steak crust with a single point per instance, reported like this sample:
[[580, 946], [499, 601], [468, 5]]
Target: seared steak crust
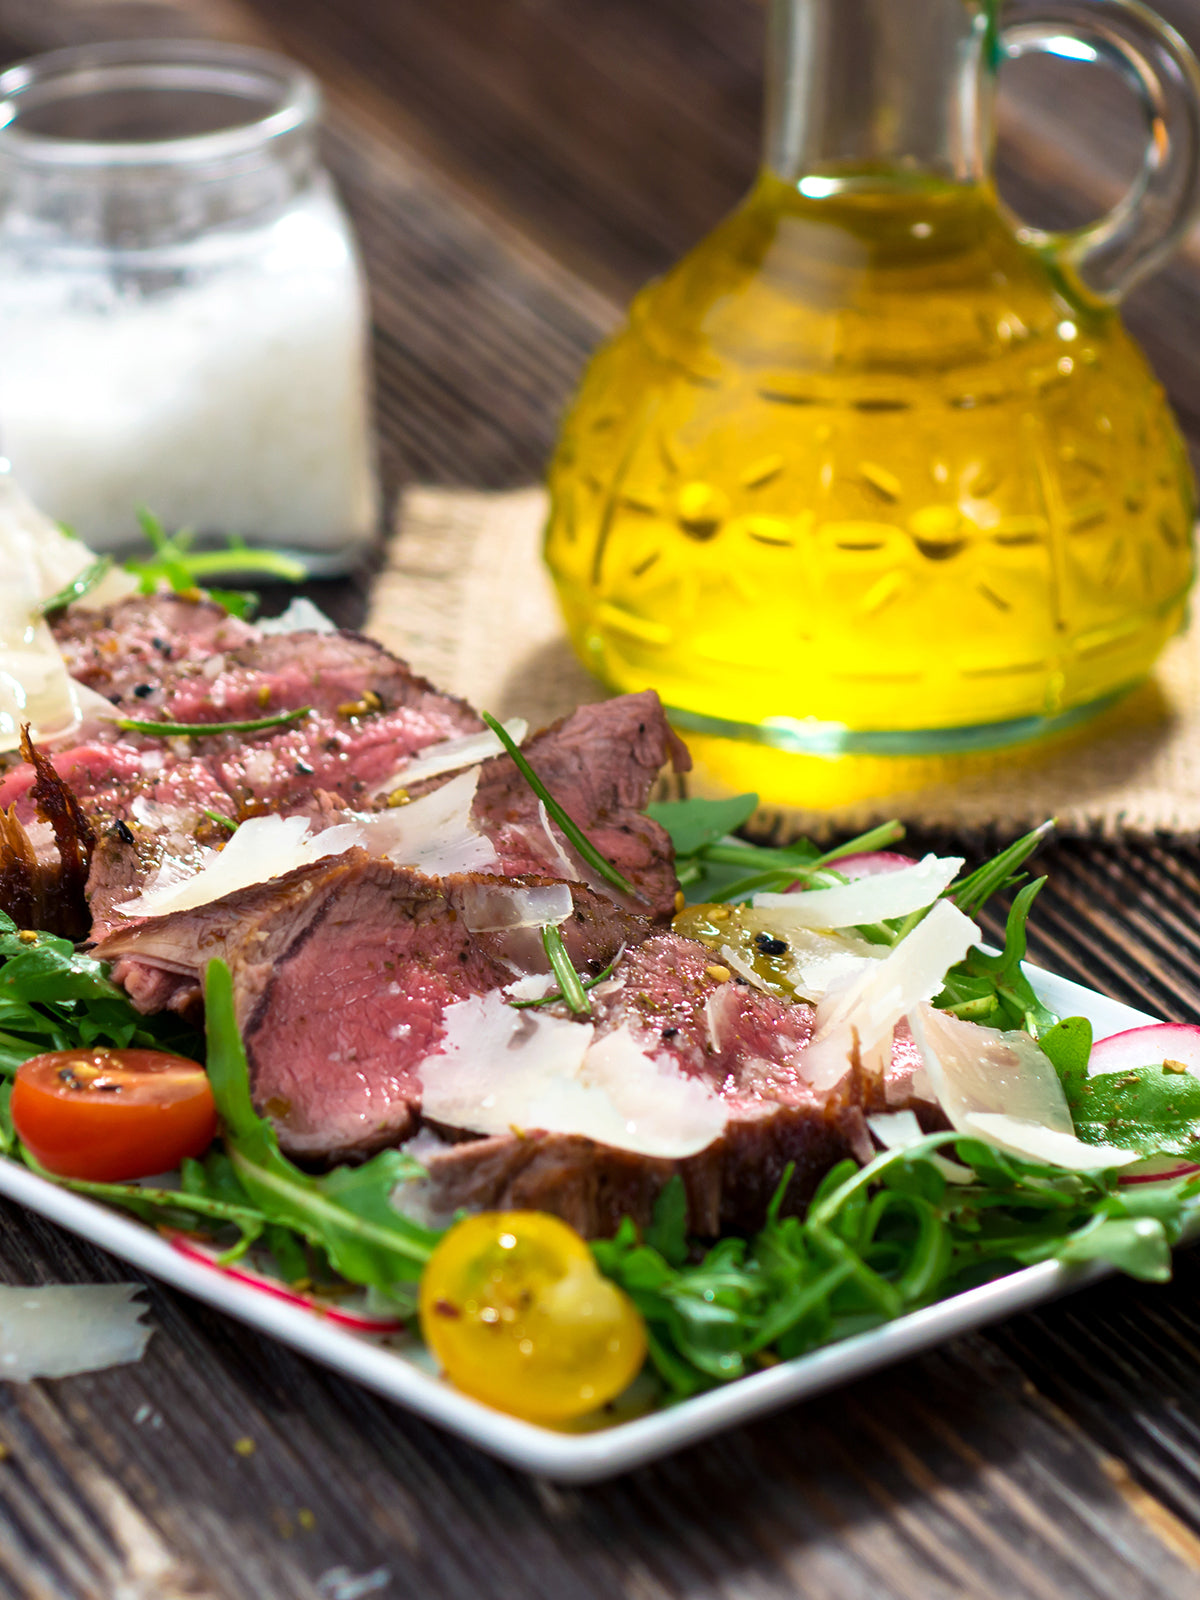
[[592, 1186]]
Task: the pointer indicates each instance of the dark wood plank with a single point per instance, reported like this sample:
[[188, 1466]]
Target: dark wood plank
[[947, 1477]]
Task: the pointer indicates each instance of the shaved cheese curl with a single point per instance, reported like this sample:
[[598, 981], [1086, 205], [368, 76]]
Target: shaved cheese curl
[[867, 1006], [873, 898], [1002, 1087]]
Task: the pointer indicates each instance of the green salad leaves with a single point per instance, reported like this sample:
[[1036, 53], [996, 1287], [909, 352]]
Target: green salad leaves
[[876, 1242]]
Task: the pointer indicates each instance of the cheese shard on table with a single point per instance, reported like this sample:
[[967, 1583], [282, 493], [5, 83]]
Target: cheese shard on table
[[55, 1330]]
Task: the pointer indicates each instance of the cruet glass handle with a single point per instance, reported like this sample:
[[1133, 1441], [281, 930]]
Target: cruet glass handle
[[1109, 256]]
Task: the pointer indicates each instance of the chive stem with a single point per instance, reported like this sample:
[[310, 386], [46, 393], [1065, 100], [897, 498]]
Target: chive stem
[[189, 730], [569, 826], [557, 995], [217, 816], [80, 585], [561, 965]]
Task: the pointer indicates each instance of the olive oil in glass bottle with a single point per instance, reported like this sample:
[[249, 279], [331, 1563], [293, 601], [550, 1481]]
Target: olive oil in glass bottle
[[875, 476]]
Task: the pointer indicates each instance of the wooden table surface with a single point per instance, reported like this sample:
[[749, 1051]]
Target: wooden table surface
[[515, 169]]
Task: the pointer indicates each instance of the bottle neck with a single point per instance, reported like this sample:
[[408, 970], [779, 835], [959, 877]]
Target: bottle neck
[[860, 91]]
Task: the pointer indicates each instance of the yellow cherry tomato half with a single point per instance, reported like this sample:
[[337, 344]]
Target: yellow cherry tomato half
[[513, 1306]]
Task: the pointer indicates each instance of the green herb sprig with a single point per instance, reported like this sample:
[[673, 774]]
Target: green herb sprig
[[174, 562], [570, 984], [83, 583], [574, 833], [197, 730], [556, 995]]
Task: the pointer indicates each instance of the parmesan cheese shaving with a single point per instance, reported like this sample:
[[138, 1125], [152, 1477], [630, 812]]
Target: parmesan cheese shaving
[[1002, 1087], [866, 1008], [37, 560], [434, 834], [895, 1130], [451, 754], [54, 1330], [1033, 1142], [298, 616], [498, 907], [500, 1069], [874, 898]]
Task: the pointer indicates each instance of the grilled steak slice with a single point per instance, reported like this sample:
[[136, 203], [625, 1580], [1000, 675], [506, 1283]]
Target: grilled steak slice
[[342, 972], [748, 1047], [600, 764], [122, 650]]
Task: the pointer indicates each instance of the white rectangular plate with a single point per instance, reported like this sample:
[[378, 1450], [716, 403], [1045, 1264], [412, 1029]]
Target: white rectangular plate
[[579, 1457]]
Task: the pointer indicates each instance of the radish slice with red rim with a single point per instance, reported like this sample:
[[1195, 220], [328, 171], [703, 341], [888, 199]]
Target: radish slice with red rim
[[356, 1321], [868, 864], [1149, 1046]]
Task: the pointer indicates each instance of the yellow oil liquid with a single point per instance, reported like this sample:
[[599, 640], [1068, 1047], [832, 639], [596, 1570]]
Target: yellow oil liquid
[[862, 478]]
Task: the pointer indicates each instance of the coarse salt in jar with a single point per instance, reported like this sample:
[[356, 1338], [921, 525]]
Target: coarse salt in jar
[[183, 319]]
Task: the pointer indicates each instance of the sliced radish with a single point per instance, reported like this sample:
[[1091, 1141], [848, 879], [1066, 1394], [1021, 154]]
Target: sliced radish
[[356, 1321], [1149, 1047], [1158, 1169], [869, 864]]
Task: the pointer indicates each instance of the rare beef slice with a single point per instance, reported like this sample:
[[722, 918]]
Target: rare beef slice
[[342, 972]]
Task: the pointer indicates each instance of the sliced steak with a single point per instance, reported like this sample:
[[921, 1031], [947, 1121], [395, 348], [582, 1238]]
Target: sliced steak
[[342, 972], [600, 764], [748, 1047], [122, 650]]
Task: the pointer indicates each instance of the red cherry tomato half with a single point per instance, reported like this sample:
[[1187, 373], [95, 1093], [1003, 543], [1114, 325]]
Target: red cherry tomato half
[[112, 1115]]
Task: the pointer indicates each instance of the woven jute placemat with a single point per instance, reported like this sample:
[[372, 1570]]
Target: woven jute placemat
[[464, 597]]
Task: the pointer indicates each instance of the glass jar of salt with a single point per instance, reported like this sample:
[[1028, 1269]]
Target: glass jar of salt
[[183, 321]]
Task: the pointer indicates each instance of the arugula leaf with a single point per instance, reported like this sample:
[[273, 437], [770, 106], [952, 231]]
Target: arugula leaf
[[971, 894], [170, 1208], [694, 823], [53, 998], [874, 1243], [1069, 1046], [725, 868], [176, 563], [1148, 1109], [8, 1134], [992, 989], [347, 1212]]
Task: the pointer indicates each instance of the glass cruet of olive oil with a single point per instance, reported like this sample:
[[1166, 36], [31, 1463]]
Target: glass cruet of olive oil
[[875, 476]]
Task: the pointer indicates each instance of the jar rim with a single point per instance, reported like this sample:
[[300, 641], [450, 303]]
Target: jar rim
[[178, 65]]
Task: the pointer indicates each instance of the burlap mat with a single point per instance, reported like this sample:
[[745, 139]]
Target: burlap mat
[[463, 596]]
